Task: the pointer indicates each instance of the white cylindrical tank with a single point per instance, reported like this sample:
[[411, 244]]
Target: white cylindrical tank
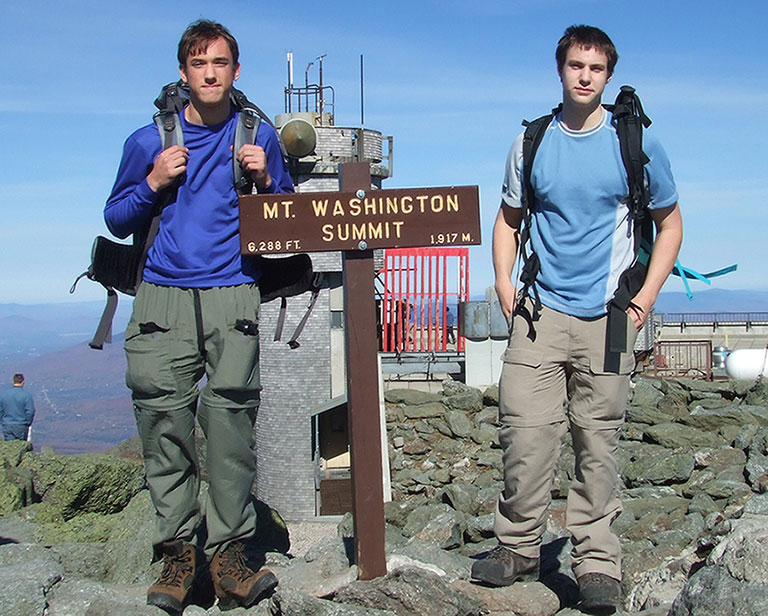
[[747, 364]]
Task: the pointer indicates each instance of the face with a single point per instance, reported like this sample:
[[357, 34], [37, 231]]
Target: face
[[584, 76], [210, 74]]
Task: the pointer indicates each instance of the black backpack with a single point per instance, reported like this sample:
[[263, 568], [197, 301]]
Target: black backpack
[[629, 119], [118, 267]]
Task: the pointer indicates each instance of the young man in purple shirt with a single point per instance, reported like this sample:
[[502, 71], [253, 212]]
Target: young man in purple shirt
[[196, 314]]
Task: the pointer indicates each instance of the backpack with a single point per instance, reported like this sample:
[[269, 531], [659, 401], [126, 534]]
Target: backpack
[[118, 267], [629, 119]]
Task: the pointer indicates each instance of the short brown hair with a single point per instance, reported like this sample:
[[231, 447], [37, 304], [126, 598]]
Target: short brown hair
[[199, 35], [587, 37], [18, 378]]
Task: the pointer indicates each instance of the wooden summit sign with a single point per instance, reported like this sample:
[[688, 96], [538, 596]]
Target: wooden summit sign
[[359, 220]]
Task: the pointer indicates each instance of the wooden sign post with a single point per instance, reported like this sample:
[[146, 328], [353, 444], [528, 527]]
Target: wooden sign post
[[356, 221]]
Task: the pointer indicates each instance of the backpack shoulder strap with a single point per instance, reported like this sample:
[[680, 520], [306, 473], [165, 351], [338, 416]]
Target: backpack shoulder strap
[[249, 113], [534, 133], [629, 119], [171, 100], [245, 132], [532, 137], [240, 101], [169, 127], [315, 286]]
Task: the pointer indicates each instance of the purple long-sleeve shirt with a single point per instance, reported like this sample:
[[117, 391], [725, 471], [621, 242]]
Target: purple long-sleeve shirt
[[198, 244]]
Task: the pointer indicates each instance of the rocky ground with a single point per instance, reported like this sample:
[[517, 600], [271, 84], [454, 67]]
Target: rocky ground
[[74, 530]]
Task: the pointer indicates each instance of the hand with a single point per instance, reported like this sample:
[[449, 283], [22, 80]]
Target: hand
[[169, 164], [253, 159], [638, 312], [507, 296]]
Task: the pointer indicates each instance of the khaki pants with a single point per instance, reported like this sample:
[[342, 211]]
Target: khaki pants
[[555, 379], [175, 337]]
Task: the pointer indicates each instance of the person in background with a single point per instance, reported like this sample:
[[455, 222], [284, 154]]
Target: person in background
[[450, 326], [17, 411]]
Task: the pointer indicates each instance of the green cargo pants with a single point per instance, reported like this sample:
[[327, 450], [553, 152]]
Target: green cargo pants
[[174, 338]]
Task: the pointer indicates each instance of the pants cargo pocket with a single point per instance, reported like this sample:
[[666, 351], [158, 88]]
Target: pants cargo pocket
[[600, 397], [238, 366], [531, 392], [149, 372]]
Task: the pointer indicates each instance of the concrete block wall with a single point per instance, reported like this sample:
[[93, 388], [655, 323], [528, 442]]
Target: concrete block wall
[[294, 382], [339, 143]]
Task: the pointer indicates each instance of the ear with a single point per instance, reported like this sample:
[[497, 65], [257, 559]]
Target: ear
[[183, 72], [237, 72]]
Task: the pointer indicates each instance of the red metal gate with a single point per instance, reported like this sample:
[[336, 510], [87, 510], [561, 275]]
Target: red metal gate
[[675, 358], [419, 302]]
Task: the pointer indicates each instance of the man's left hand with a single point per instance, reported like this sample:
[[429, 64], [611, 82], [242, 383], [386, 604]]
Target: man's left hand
[[638, 311], [253, 159]]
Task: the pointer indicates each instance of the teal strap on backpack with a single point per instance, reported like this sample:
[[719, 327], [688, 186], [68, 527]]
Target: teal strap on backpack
[[685, 273]]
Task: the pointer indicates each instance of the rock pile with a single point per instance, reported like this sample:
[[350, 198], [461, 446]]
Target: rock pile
[[74, 531], [693, 462]]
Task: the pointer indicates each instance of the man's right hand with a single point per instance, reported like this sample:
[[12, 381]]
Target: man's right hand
[[507, 296], [169, 165]]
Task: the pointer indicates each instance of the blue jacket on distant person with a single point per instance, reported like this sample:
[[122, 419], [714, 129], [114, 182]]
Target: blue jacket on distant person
[[17, 410]]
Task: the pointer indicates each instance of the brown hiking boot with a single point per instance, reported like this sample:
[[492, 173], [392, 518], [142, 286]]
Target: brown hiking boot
[[235, 583], [599, 593], [502, 567], [170, 590]]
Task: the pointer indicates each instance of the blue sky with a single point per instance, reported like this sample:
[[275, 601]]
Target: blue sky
[[450, 80]]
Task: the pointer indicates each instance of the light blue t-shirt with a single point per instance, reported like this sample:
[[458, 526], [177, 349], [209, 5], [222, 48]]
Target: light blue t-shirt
[[580, 226]]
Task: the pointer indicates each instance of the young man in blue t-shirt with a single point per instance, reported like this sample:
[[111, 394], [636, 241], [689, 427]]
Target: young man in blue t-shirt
[[196, 314], [557, 380]]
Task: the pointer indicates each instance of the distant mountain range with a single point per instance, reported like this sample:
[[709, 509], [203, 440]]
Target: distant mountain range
[[713, 300], [31, 330], [80, 394]]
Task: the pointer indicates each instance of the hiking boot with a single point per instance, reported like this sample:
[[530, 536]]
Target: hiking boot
[[235, 583], [502, 567], [599, 593], [170, 590]]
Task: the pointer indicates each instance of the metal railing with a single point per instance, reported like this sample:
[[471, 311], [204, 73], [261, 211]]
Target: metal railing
[[713, 319], [689, 358], [418, 305]]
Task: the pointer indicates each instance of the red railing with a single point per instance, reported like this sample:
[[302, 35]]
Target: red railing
[[419, 302]]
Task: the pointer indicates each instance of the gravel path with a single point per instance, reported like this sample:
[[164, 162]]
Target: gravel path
[[305, 534]]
